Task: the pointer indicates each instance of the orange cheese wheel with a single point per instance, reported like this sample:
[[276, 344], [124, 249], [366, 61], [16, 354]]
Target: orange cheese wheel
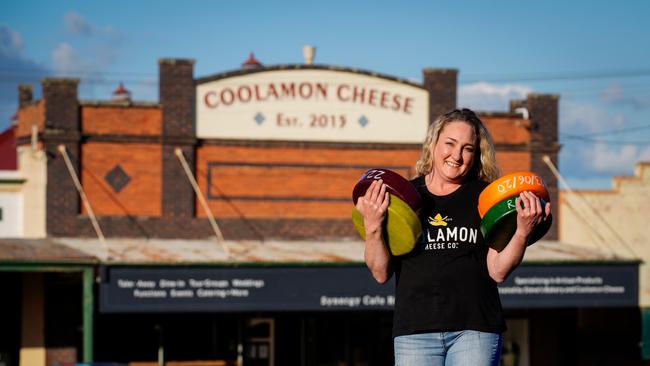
[[508, 186]]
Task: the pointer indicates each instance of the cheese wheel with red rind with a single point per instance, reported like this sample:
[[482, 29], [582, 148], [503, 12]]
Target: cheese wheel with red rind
[[395, 184]]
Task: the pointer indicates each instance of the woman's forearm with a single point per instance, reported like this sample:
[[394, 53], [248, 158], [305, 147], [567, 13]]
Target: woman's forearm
[[377, 256], [529, 214], [501, 264]]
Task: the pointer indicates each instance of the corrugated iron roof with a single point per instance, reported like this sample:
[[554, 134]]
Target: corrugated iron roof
[[210, 251], [41, 250], [195, 252]]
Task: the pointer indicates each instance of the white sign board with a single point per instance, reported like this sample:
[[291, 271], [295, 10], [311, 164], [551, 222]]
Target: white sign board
[[312, 105]]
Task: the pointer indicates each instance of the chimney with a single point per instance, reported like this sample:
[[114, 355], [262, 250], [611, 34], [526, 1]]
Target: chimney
[[25, 94], [177, 96], [441, 84], [543, 114]]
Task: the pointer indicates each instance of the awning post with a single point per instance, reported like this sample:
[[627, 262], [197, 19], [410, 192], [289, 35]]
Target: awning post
[[88, 312]]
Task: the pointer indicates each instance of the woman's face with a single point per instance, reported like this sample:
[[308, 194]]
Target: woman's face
[[453, 153]]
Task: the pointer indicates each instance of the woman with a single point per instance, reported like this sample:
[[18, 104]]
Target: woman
[[447, 309]]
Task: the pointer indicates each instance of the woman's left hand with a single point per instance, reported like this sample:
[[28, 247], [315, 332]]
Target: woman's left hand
[[531, 214]]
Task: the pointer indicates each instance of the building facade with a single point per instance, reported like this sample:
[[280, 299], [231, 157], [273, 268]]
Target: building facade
[[214, 224], [614, 221]]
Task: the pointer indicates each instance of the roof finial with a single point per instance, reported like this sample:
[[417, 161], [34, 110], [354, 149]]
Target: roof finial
[[251, 62]]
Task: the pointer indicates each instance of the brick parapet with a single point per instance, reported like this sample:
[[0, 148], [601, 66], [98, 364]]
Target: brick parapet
[[109, 119], [179, 206], [30, 114], [199, 228]]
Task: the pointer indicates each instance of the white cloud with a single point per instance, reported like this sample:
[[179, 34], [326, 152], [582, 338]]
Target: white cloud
[[612, 93], [77, 24], [583, 117], [614, 159], [12, 57], [588, 150], [113, 34], [66, 60], [80, 58], [104, 55], [11, 43], [615, 94], [490, 97]]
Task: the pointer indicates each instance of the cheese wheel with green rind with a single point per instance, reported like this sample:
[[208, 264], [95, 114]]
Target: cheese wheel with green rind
[[500, 223]]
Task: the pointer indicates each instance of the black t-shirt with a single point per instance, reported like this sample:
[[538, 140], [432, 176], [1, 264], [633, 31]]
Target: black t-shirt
[[443, 284]]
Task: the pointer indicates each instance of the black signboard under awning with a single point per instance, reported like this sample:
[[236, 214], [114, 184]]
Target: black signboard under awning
[[327, 288], [555, 286], [176, 289]]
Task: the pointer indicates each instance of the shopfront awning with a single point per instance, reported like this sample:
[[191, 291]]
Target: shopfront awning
[[156, 275], [140, 251]]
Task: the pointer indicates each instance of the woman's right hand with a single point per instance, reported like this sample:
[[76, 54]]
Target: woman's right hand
[[373, 206]]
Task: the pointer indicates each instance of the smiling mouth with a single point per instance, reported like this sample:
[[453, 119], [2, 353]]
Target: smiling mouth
[[452, 164]]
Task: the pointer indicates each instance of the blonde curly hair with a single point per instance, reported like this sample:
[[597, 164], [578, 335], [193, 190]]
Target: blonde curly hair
[[484, 168]]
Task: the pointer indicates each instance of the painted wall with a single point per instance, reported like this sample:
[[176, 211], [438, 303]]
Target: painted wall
[[33, 164], [11, 205]]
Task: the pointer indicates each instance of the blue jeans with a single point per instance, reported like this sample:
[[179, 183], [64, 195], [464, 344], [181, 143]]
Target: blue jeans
[[467, 347]]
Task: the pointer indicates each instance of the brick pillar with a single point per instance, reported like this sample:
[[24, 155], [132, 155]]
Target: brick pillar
[[177, 99], [25, 94], [62, 127], [543, 113], [441, 84]]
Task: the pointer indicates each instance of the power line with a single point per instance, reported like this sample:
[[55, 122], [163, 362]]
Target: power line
[[35, 70], [606, 142], [4, 75], [555, 76], [601, 90], [89, 80], [526, 76], [612, 132]]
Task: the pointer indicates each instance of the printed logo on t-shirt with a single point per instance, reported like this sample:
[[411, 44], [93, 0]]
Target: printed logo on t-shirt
[[438, 220], [441, 234]]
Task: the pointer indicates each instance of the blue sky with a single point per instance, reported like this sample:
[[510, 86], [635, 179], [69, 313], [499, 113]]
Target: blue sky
[[594, 54]]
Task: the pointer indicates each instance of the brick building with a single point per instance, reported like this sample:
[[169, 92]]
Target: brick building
[[274, 278]]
